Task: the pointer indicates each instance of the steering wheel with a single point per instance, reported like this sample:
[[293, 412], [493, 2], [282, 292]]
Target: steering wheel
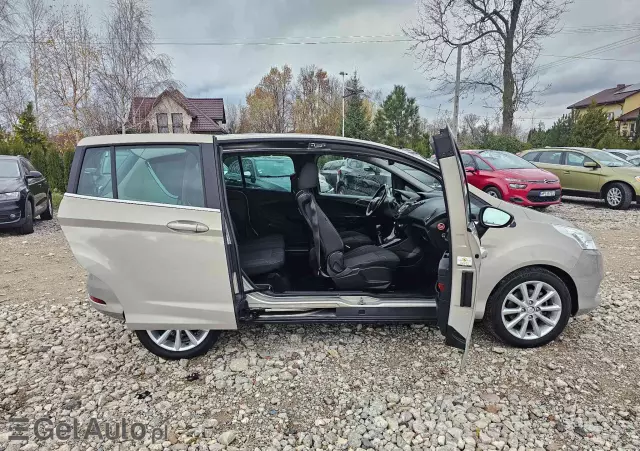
[[378, 199]]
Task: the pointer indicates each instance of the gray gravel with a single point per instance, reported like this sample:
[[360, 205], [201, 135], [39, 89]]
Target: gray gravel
[[323, 387]]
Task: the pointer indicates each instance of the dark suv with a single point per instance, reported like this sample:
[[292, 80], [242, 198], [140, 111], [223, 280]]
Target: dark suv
[[24, 194]]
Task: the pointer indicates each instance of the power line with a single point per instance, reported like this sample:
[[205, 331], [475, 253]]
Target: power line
[[605, 48]]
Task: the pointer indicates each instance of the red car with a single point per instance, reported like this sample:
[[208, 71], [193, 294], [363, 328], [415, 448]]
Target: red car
[[509, 177]]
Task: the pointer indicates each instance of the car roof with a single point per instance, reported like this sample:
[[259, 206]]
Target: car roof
[[9, 157], [546, 149], [624, 151], [187, 138]]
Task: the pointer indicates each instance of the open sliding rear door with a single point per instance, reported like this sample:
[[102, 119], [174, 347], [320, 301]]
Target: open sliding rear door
[[456, 299]]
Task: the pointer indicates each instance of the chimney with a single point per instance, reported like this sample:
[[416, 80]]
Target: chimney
[[620, 86]]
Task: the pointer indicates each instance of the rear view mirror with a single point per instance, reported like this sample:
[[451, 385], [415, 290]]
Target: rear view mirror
[[590, 164], [491, 217], [34, 175], [470, 169]]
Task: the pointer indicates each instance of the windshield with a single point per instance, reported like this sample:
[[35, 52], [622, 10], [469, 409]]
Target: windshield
[[421, 176], [608, 159], [9, 169], [505, 160]]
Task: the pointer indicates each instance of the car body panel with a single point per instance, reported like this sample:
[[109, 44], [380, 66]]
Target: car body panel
[[464, 245]]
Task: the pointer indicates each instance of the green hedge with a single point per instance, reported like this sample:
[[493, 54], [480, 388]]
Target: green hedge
[[55, 166]]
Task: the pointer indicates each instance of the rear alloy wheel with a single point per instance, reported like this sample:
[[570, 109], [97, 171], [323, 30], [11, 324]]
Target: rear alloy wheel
[[341, 190], [177, 344], [529, 308], [493, 192], [618, 196], [48, 213]]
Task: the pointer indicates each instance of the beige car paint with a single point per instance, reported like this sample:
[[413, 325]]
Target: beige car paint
[[176, 280], [160, 278]]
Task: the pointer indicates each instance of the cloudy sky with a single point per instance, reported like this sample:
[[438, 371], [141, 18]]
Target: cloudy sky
[[231, 71]]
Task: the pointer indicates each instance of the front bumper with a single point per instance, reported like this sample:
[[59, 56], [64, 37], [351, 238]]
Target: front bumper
[[587, 274], [530, 196], [11, 214]]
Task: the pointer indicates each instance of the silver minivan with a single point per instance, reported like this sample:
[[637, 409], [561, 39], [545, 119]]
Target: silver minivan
[[184, 236]]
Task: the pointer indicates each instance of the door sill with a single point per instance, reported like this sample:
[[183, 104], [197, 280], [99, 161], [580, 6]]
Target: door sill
[[310, 301]]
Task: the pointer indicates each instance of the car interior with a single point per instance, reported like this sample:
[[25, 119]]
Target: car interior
[[387, 236]]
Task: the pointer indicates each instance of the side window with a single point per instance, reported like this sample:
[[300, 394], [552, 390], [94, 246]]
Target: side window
[[360, 179], [531, 156], [480, 163], [467, 161], [29, 165], [165, 175], [95, 175], [575, 159], [550, 157], [269, 172]]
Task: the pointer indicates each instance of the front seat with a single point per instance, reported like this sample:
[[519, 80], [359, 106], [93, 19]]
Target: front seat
[[366, 267]]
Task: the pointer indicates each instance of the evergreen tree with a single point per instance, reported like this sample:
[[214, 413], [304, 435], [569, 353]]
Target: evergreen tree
[[356, 119], [26, 129], [397, 123], [591, 127]]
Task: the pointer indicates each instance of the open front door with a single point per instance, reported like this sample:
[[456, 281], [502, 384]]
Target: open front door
[[459, 267]]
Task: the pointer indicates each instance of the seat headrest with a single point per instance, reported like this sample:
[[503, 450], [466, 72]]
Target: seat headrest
[[308, 177]]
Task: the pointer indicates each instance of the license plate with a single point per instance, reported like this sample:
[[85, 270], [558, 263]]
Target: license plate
[[547, 193]]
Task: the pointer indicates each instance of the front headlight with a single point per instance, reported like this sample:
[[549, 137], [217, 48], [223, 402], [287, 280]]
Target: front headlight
[[583, 238], [10, 196], [517, 185]]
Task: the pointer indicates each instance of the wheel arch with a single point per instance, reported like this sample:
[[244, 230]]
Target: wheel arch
[[563, 275], [495, 186], [605, 187]]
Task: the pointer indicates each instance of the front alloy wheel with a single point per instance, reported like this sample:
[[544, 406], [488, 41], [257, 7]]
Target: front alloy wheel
[[618, 196], [178, 343], [530, 307]]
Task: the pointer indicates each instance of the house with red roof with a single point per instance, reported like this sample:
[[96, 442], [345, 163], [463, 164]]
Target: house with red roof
[[621, 103], [172, 112]]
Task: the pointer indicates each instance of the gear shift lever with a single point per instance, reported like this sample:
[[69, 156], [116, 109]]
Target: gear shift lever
[[379, 233]]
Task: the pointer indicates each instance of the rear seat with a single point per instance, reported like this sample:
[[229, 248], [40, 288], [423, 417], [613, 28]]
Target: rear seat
[[262, 255]]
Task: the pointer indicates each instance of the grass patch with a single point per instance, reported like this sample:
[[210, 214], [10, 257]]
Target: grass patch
[[56, 198]]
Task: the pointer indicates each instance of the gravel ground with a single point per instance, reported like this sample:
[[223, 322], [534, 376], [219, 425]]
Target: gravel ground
[[320, 387]]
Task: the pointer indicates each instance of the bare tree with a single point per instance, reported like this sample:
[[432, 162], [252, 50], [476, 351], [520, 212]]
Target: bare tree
[[34, 17], [129, 66], [501, 42], [12, 96], [69, 62], [233, 118], [317, 103]]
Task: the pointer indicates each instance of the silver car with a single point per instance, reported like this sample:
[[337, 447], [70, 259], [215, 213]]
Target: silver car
[[180, 247]]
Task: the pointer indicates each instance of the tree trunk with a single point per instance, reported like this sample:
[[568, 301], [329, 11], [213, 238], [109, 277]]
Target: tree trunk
[[508, 87]]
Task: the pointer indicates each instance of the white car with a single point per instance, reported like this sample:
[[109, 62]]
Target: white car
[[181, 240]]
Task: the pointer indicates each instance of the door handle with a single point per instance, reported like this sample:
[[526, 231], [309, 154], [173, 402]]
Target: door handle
[[188, 226], [566, 172]]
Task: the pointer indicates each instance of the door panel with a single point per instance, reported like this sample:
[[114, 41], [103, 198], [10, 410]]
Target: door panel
[[577, 176], [464, 247], [163, 278]]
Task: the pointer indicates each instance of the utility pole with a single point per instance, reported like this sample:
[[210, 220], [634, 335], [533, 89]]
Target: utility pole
[[343, 74], [456, 96]]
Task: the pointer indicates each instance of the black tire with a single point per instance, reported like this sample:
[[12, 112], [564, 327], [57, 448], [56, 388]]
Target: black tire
[[48, 213], [494, 192], [543, 208], [624, 191], [156, 349], [27, 227], [341, 190], [493, 311]]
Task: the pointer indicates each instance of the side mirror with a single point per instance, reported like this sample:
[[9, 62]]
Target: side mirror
[[34, 175], [250, 175], [470, 169], [369, 169], [493, 218], [590, 164]]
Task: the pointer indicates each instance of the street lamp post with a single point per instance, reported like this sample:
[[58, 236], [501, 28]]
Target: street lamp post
[[343, 74]]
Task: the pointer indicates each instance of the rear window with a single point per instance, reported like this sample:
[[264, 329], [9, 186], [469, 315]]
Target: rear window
[[160, 174]]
